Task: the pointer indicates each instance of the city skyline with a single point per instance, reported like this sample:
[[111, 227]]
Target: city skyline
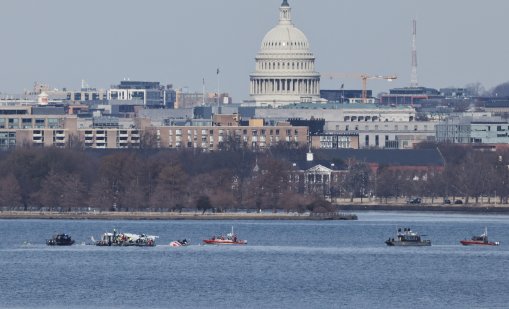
[[184, 43]]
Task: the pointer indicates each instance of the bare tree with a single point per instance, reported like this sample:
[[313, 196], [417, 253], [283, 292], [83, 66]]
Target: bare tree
[[172, 190], [101, 195], [10, 192], [357, 181]]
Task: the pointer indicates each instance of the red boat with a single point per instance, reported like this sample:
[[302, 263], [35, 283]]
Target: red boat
[[480, 240], [229, 239]]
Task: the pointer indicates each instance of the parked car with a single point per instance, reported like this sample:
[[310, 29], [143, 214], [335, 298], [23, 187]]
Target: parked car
[[447, 201], [458, 202], [415, 200]]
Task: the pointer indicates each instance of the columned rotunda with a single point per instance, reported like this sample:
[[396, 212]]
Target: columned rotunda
[[285, 66]]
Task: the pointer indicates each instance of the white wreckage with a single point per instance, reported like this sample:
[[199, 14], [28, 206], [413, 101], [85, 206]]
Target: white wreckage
[[126, 239]]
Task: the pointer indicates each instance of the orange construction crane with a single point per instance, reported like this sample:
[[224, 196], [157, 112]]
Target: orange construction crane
[[364, 77]]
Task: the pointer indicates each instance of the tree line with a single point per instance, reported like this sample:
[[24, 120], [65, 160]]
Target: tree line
[[468, 174], [169, 180], [55, 179]]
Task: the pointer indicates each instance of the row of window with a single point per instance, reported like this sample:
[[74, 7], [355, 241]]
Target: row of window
[[281, 65], [385, 127], [79, 96], [375, 118], [29, 123], [254, 144], [254, 132], [291, 44]]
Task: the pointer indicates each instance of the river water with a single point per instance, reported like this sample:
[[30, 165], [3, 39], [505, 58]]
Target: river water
[[286, 264]]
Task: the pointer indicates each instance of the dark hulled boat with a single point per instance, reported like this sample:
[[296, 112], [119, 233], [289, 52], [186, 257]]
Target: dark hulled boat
[[407, 237], [60, 240]]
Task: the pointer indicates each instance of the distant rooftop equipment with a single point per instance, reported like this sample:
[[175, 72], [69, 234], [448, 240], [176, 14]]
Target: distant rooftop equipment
[[42, 99]]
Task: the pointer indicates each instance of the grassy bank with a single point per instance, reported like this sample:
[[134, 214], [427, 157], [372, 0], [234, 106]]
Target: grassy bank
[[167, 216]]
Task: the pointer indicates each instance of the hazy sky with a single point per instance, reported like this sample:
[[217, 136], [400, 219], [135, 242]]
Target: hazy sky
[[181, 42]]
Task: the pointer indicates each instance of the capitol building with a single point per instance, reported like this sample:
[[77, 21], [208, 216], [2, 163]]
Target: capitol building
[[285, 67]]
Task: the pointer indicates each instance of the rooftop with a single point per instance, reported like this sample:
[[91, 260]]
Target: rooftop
[[406, 157]]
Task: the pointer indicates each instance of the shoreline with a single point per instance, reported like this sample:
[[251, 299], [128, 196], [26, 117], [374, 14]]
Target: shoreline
[[470, 208], [346, 213], [107, 215]]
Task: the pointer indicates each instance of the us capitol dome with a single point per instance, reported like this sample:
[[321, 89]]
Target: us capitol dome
[[285, 66]]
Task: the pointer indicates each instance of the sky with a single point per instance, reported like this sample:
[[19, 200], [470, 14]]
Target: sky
[[182, 42]]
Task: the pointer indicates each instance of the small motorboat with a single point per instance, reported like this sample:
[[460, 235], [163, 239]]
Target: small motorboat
[[230, 239], [481, 240], [407, 237], [60, 240], [179, 243]]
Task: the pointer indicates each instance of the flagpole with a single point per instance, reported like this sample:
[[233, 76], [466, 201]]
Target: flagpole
[[217, 90], [343, 93], [203, 92]]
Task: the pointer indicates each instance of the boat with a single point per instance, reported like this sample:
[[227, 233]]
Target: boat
[[126, 239], [60, 240], [407, 237], [230, 239], [179, 243], [480, 240]]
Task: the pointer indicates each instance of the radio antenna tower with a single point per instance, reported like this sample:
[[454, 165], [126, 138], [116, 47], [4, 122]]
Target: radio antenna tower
[[413, 77]]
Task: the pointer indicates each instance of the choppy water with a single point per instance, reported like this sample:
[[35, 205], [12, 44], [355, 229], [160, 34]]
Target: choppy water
[[329, 264]]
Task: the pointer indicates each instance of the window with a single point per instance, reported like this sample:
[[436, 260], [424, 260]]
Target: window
[[53, 123], [26, 123], [13, 123]]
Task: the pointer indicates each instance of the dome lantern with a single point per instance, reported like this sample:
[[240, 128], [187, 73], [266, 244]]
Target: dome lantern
[[285, 16]]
